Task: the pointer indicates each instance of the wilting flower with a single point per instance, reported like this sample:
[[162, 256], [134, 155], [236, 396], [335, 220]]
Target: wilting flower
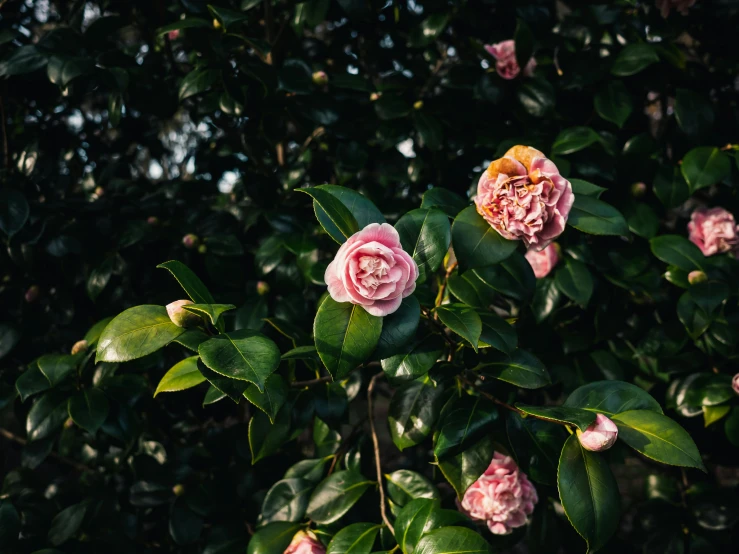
[[372, 269], [80, 346], [505, 56], [523, 197], [305, 542], [503, 496], [713, 230], [682, 6], [543, 262], [600, 435], [180, 316], [735, 383]]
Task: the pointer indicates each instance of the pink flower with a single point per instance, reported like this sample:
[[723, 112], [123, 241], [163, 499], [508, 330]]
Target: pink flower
[[372, 269], [600, 435], [735, 383], [506, 64], [305, 542], [523, 197], [503, 496], [713, 231], [544, 261], [682, 6]]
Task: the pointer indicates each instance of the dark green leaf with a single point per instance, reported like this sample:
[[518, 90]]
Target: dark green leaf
[[340, 224], [584, 188], [413, 361], [453, 540], [430, 132], [476, 243], [14, 211], [705, 166], [641, 219], [233, 388], [89, 409], [358, 538], [286, 500], [413, 411], [425, 234], [190, 282], [185, 526], [537, 96], [536, 446], [419, 517], [512, 277], [66, 523], [273, 538], [187, 23], [405, 485], [575, 281], [524, 41], [595, 217], [448, 202], [693, 112], [613, 103], [335, 495], [32, 381], [361, 207], [521, 368], [265, 437], [211, 311], [463, 320], [633, 59], [498, 333], [466, 467], [56, 367], [272, 398], [399, 328], [573, 140], [678, 251], [197, 81], [466, 421], [47, 415], [574, 416], [611, 398]]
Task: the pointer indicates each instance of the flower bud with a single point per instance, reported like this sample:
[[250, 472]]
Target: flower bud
[[178, 489], [202, 249], [216, 24], [262, 288], [695, 277], [418, 104], [638, 190], [68, 423], [172, 35], [152, 220], [190, 240], [735, 383], [601, 435], [180, 316], [99, 191], [80, 346], [305, 542], [374, 96], [320, 78], [32, 294]]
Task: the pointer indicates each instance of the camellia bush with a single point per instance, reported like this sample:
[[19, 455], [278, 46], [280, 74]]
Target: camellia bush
[[359, 277]]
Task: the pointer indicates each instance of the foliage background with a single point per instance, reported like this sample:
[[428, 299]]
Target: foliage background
[[107, 123]]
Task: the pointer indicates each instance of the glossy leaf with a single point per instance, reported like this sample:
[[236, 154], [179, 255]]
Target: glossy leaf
[[212, 312], [339, 222], [521, 368], [595, 217], [573, 140], [633, 59], [464, 423], [612, 398], [66, 523], [273, 538], [361, 207], [678, 251], [271, 399], [463, 320], [498, 333], [563, 414], [476, 243], [183, 375], [245, 355], [399, 328], [466, 467], [89, 409], [286, 500], [536, 446], [705, 166], [413, 411], [405, 485], [197, 81], [335, 495], [57, 367], [512, 277], [453, 540], [445, 200], [613, 103], [357, 538], [425, 234], [14, 211], [418, 518], [575, 281]]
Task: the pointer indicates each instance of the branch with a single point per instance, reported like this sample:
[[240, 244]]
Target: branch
[[376, 445], [14, 438], [311, 382]]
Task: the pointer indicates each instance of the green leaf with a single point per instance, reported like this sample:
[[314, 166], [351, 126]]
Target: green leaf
[[413, 411], [497, 332], [611, 398], [573, 416], [573, 140], [361, 207], [245, 355], [546, 298], [335, 495], [521, 368], [265, 437], [593, 216], [10, 523], [25, 59], [213, 394], [183, 375], [198, 81], [575, 281], [345, 336], [613, 103], [399, 328], [466, 422], [391, 106], [419, 517], [89, 409], [642, 220], [633, 59], [47, 415], [584, 188], [694, 113], [311, 469], [32, 381], [358, 538], [185, 526], [233, 388], [523, 38], [405, 485], [14, 211], [430, 131], [272, 398], [705, 166], [536, 446], [192, 339], [453, 540], [301, 353], [476, 243], [273, 538], [425, 234], [466, 467], [445, 200], [136, 332], [56, 367], [712, 414], [66, 523], [339, 222], [62, 70], [296, 77], [187, 23], [470, 289], [212, 311], [537, 96], [414, 361], [678, 251], [512, 277], [93, 334], [286, 500], [189, 282], [658, 438], [9, 337], [228, 18], [670, 187], [463, 320], [589, 494]]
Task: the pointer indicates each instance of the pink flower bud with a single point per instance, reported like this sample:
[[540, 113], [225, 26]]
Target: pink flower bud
[[601, 435], [178, 489], [180, 316], [190, 240], [262, 288], [32, 294], [305, 542], [99, 191], [374, 96], [80, 346], [152, 220], [638, 190], [172, 35], [695, 277], [320, 78], [735, 383]]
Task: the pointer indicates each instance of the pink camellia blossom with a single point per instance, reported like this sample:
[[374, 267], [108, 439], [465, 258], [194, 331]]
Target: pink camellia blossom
[[682, 6], [600, 435], [713, 230], [506, 64], [735, 383], [305, 542], [503, 496], [523, 197], [543, 262], [371, 269]]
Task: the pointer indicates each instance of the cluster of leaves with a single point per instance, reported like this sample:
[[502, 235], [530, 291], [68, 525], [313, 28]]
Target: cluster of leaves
[[127, 125]]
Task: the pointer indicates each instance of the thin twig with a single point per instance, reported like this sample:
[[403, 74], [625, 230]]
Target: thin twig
[[376, 445], [442, 288], [14, 438], [311, 382]]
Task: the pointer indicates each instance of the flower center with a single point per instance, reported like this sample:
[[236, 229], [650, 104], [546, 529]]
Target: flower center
[[371, 271]]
